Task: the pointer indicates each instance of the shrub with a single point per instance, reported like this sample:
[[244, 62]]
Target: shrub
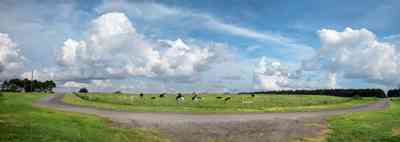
[[117, 92], [83, 90]]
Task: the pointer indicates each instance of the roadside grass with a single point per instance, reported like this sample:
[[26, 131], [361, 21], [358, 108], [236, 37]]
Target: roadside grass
[[370, 126], [20, 122], [210, 103]]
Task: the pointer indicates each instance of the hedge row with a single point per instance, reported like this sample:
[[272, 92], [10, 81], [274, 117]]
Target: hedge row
[[393, 93], [329, 92]]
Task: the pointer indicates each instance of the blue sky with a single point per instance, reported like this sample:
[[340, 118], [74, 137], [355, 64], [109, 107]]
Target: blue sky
[[157, 46]]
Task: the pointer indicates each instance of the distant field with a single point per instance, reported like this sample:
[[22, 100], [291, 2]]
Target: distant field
[[20, 122], [370, 126], [210, 102]]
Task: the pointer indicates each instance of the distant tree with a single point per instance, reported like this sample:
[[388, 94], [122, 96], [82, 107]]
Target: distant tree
[[390, 93], [4, 85], [17, 85], [393, 93], [329, 92], [117, 92], [49, 85], [83, 90]]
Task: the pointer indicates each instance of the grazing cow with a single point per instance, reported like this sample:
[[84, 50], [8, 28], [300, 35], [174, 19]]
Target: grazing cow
[[162, 95], [179, 98], [227, 99], [196, 98], [219, 97]]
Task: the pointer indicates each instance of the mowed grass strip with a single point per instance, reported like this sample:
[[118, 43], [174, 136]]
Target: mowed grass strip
[[370, 126], [211, 103], [20, 122]]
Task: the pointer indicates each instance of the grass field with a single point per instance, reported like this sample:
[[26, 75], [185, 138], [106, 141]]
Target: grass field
[[371, 126], [210, 103], [20, 122]]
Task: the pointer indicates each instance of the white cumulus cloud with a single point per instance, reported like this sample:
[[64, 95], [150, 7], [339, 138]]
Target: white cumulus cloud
[[348, 54], [11, 60], [114, 49], [357, 54], [272, 74]]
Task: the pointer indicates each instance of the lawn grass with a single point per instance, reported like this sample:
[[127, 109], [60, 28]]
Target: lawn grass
[[20, 122], [209, 103], [370, 126]]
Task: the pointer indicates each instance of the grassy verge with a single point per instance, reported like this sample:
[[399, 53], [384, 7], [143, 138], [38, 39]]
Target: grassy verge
[[370, 126], [261, 103], [20, 122]]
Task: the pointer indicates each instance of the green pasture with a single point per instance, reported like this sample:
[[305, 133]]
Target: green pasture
[[20, 122], [369, 126], [210, 102]]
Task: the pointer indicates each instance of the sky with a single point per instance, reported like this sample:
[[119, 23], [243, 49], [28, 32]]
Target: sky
[[202, 46]]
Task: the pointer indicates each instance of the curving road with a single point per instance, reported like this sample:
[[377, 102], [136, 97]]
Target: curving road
[[280, 126]]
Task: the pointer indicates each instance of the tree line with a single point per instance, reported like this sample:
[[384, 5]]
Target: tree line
[[329, 92], [393, 93], [26, 85]]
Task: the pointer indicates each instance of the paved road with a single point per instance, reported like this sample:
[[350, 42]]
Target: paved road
[[201, 127]]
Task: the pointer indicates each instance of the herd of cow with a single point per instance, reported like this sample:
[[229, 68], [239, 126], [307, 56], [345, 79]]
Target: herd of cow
[[195, 98]]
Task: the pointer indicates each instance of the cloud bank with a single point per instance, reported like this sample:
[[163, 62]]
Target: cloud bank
[[357, 54], [347, 54], [114, 49], [149, 45], [11, 60], [272, 74]]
